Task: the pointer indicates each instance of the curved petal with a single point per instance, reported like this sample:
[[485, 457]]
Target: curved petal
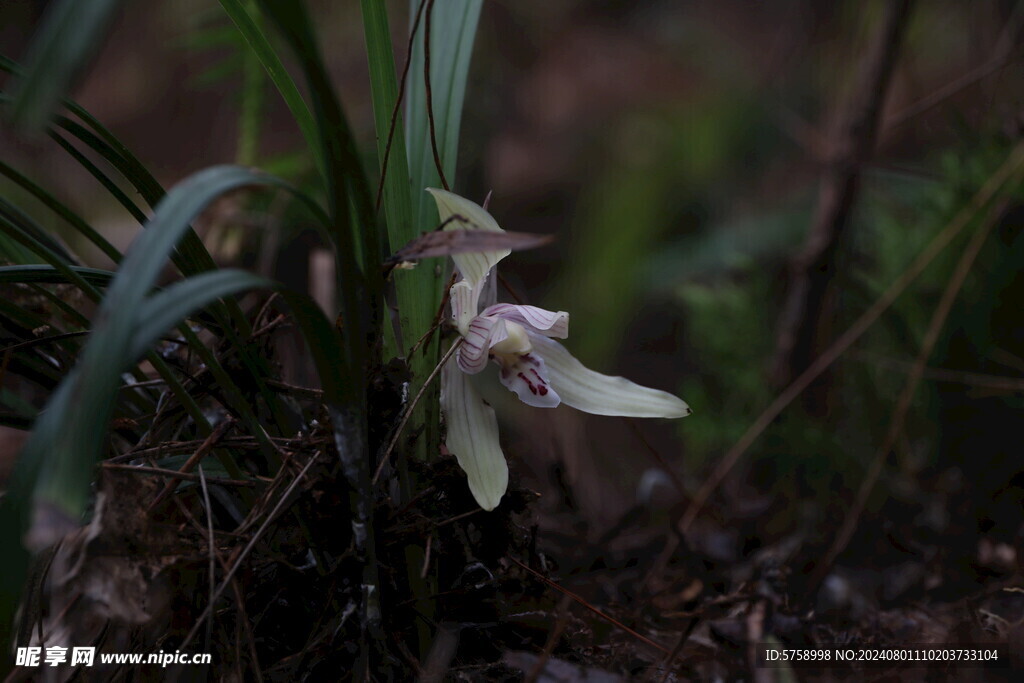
[[548, 323], [599, 394], [481, 334], [464, 298], [458, 213], [527, 377], [473, 437]]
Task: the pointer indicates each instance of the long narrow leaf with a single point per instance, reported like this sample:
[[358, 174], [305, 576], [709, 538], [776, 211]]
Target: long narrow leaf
[[69, 216], [33, 233], [168, 307], [47, 274], [357, 243], [61, 489], [413, 292], [280, 77], [71, 33], [452, 33], [191, 256], [76, 446]]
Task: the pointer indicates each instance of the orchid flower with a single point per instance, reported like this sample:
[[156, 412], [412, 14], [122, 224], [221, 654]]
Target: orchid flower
[[519, 340]]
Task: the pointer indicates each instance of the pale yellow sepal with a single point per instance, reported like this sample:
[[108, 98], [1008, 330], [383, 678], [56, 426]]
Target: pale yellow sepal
[[467, 215], [473, 437]]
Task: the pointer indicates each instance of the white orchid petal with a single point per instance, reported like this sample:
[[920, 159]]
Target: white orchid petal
[[599, 394], [475, 266], [548, 323], [481, 334], [473, 437], [464, 304], [527, 377]]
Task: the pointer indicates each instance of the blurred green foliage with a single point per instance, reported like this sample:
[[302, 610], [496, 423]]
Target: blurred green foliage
[[731, 315], [662, 173]]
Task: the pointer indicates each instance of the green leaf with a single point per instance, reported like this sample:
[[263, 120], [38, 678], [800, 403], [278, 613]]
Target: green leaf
[[267, 56], [47, 274], [73, 219], [169, 306], [71, 33], [32, 235], [357, 243], [190, 257], [415, 302], [452, 32], [113, 345], [127, 311]]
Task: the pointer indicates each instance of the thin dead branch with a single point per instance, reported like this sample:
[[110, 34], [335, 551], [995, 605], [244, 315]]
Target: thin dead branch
[[430, 96], [237, 561], [175, 474], [190, 464], [611, 620], [801, 324], [398, 103]]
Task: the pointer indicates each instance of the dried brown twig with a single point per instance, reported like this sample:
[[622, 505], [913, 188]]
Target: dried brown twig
[[175, 474], [611, 620], [246, 550], [430, 96], [398, 103], [800, 324], [204, 449]]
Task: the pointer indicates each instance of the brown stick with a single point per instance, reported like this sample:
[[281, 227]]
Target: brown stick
[[978, 380], [175, 474], [430, 96], [193, 460], [611, 620], [398, 104], [240, 556], [811, 273]]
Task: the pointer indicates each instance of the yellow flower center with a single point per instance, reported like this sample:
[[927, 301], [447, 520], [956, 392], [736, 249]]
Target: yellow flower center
[[516, 343]]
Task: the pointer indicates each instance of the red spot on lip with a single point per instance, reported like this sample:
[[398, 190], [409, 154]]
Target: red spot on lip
[[542, 385], [533, 389]]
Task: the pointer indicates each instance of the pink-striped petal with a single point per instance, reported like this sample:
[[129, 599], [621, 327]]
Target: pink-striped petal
[[539, 320], [527, 377], [482, 333]]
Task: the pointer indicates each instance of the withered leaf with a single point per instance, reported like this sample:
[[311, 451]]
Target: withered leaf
[[448, 242]]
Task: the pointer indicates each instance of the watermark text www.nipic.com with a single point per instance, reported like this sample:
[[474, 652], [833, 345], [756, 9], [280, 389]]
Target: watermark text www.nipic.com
[[86, 656]]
